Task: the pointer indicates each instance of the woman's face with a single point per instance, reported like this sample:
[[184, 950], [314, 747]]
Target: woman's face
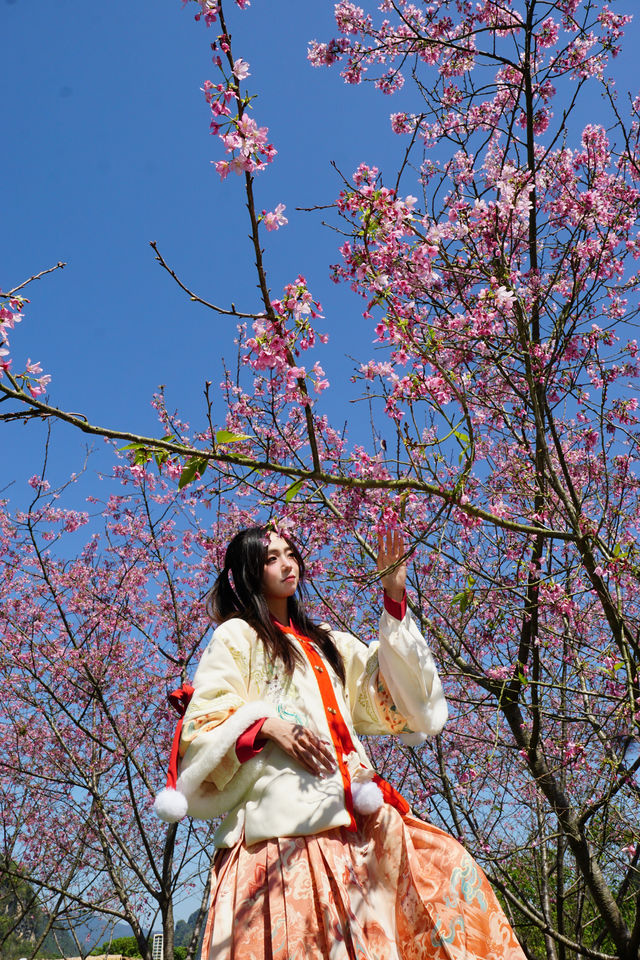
[[281, 573]]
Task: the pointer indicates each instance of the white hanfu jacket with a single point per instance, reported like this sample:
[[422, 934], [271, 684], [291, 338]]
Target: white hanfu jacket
[[391, 686]]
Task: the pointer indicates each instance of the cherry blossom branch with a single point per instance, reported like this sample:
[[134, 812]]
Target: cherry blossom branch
[[321, 476]]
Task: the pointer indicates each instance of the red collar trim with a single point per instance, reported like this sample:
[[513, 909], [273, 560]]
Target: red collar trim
[[292, 630]]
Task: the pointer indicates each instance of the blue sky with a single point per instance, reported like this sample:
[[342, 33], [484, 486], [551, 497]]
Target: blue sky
[[107, 147]]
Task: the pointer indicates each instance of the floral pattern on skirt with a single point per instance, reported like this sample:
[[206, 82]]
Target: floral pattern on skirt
[[397, 889]]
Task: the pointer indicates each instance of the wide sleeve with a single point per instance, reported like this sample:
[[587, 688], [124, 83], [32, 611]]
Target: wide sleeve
[[392, 685], [224, 704], [410, 674]]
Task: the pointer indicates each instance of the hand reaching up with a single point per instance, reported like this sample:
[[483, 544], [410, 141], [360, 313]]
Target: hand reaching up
[[391, 551]]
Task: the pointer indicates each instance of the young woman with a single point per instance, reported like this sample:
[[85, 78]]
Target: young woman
[[319, 858]]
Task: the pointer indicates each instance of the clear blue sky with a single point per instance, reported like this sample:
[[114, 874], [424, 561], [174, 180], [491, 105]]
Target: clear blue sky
[[106, 147]]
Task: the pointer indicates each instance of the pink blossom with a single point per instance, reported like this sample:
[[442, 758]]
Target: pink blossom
[[504, 297], [222, 167], [548, 33], [36, 481], [241, 69], [9, 319], [499, 673], [324, 54], [321, 383], [391, 82], [573, 751], [275, 219], [39, 386], [402, 122]]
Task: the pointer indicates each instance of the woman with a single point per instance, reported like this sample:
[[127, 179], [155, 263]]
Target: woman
[[319, 858]]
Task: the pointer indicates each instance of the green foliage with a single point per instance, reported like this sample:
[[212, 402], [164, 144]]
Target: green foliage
[[196, 465], [224, 436], [143, 452], [125, 946], [570, 908], [291, 491]]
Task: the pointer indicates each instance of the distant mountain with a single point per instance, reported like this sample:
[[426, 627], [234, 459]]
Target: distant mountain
[[23, 921], [184, 930]]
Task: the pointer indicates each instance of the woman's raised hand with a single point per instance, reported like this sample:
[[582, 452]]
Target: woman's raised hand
[[301, 744], [391, 554]]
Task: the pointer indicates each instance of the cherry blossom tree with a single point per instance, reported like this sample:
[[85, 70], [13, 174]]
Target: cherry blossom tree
[[499, 287], [88, 649]]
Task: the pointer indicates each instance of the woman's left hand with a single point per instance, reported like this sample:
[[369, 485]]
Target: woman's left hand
[[391, 554]]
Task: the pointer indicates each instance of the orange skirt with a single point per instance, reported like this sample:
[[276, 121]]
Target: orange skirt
[[397, 889]]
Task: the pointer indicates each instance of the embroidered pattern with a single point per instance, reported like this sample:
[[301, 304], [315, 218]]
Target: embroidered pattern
[[383, 893]]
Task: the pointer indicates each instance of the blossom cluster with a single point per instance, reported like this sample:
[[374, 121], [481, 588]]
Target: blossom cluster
[[242, 138], [209, 10], [32, 378], [436, 38], [244, 141], [278, 339]]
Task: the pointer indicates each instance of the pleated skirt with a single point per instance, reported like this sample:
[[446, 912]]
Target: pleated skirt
[[397, 889]]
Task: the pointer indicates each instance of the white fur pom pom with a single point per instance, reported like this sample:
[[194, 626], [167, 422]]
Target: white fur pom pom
[[413, 739], [170, 805], [367, 797]]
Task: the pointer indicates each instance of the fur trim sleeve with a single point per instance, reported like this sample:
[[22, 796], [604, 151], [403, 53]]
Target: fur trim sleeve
[[207, 750], [192, 794]]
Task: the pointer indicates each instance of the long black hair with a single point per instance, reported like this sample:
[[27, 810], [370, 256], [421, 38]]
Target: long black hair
[[245, 559]]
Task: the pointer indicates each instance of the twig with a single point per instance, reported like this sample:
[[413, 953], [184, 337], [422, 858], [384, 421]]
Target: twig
[[37, 276], [194, 296]]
